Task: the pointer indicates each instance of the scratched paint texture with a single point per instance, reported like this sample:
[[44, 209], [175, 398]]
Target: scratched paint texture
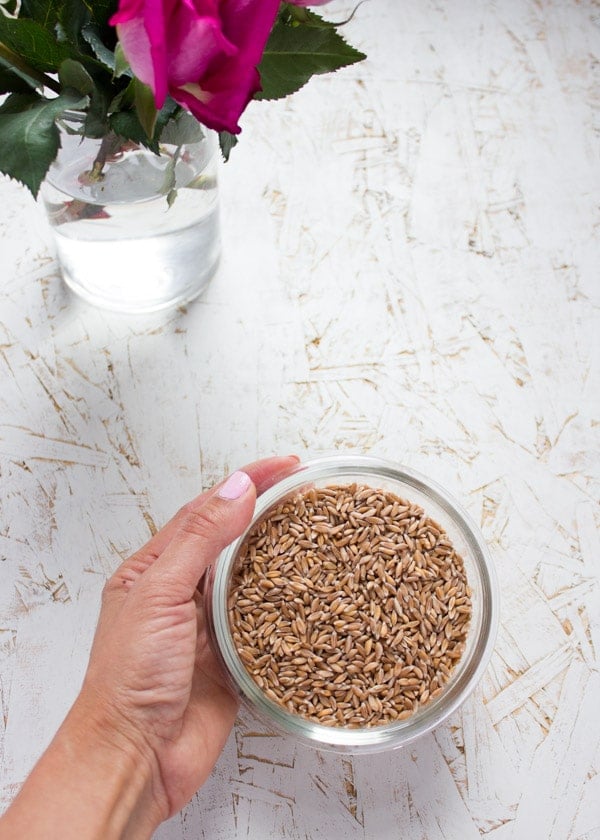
[[410, 270]]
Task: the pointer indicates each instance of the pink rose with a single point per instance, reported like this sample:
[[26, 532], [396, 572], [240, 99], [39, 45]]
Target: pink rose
[[204, 53]]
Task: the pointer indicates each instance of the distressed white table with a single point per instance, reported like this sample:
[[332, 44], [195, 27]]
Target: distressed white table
[[411, 270]]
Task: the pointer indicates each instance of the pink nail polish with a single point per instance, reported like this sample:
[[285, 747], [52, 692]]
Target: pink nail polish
[[235, 486]]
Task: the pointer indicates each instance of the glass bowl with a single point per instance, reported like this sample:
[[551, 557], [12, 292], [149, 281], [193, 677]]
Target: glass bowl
[[468, 542]]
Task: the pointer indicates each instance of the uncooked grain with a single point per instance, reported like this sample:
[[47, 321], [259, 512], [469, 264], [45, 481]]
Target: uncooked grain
[[349, 606]]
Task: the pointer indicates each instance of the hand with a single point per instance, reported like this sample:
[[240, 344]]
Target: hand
[[153, 691], [151, 669]]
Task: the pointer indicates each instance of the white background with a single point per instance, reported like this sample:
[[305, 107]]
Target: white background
[[410, 270]]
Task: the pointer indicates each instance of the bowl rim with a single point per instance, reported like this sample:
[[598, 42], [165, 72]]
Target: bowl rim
[[386, 736]]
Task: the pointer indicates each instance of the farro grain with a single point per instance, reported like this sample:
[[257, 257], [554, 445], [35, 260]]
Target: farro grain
[[349, 606]]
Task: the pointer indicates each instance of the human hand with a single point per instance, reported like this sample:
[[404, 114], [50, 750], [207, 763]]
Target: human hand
[[153, 713], [152, 677]]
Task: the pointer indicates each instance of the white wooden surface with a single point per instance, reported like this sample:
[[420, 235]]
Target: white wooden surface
[[411, 270]]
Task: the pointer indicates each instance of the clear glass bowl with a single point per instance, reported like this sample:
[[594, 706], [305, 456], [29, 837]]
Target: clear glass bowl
[[467, 540]]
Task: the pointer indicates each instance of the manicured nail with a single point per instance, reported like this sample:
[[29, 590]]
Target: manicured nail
[[235, 486]]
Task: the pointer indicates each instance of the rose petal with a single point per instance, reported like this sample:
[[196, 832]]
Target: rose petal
[[141, 30], [219, 104], [203, 52], [193, 46]]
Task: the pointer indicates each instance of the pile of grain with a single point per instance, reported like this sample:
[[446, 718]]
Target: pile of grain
[[349, 606]]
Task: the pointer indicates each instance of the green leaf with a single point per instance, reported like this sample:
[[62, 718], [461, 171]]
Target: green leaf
[[29, 38], [90, 34], [123, 101], [11, 62], [168, 184], [29, 138], [145, 107], [127, 125], [202, 182], [101, 11], [297, 51], [166, 113], [121, 64], [291, 14], [72, 17], [227, 141], [180, 129], [73, 74], [96, 120], [17, 102], [11, 81], [44, 12]]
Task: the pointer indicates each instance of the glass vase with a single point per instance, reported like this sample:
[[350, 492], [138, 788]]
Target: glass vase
[[135, 231]]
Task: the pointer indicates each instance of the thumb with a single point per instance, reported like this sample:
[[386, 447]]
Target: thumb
[[206, 528]]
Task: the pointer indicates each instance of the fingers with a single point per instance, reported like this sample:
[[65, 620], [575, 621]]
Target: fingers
[[266, 472], [203, 531], [263, 474]]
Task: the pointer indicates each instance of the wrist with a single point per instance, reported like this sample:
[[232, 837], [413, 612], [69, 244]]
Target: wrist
[[126, 765], [94, 782]]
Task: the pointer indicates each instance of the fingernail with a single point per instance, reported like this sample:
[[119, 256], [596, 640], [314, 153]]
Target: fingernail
[[235, 486]]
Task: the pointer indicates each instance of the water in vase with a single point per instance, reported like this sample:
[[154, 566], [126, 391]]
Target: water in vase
[[143, 236]]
